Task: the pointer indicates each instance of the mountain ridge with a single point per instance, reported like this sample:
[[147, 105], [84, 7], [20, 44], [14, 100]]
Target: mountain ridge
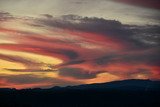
[[121, 84], [125, 93]]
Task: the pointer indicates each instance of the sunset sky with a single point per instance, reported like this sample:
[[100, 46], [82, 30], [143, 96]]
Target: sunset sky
[[46, 43]]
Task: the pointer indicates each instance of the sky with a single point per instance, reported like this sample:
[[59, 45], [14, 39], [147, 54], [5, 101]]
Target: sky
[[46, 43]]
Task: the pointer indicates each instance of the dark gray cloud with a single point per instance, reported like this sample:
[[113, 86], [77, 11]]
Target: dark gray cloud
[[148, 57], [73, 62], [28, 63], [74, 22], [137, 37], [147, 34], [23, 79], [71, 54], [32, 70], [78, 73], [105, 59], [5, 16]]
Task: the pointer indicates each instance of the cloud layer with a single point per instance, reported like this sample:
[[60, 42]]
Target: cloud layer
[[71, 50]]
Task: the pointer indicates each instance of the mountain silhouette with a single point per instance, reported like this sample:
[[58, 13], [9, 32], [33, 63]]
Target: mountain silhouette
[[132, 84], [125, 93]]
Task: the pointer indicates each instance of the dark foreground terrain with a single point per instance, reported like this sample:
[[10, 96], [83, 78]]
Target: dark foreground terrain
[[127, 93]]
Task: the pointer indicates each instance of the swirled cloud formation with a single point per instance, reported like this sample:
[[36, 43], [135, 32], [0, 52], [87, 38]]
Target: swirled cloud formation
[[48, 50]]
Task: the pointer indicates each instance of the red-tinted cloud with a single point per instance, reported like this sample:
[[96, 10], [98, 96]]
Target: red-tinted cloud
[[145, 3]]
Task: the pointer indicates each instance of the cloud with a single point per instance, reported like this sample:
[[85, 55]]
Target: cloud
[[5, 16], [77, 48], [138, 42], [148, 35], [30, 79], [149, 57], [146, 3], [26, 62], [49, 69], [112, 29], [66, 52], [78, 73], [73, 62], [24, 79]]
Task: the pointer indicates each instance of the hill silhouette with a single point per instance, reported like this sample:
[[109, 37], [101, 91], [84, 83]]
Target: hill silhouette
[[126, 93]]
